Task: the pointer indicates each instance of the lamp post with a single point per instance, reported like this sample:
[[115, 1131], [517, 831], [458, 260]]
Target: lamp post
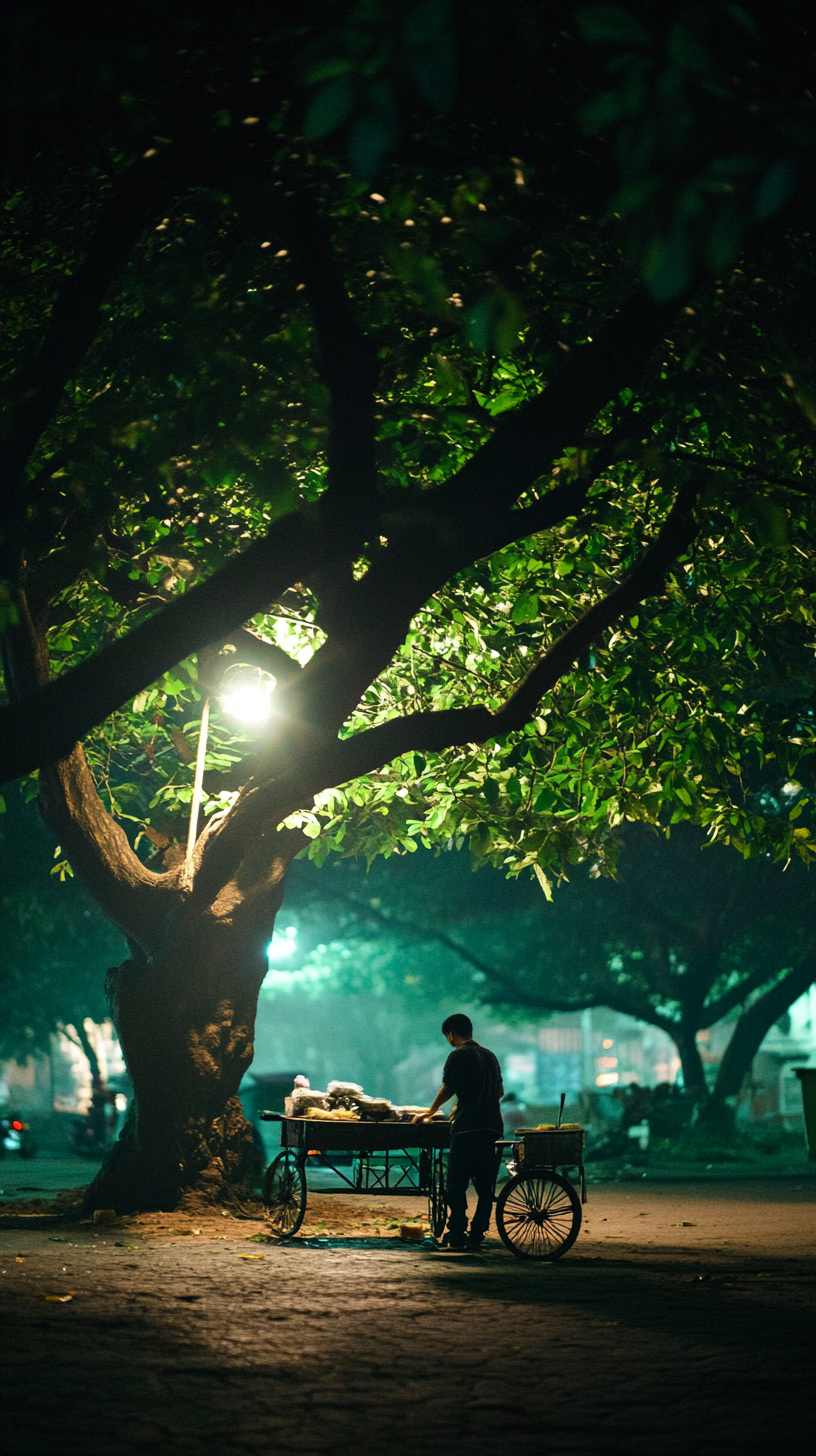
[[248, 701], [192, 828]]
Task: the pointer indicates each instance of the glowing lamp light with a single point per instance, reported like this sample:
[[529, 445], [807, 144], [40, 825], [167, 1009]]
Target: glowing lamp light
[[606, 1079], [248, 699]]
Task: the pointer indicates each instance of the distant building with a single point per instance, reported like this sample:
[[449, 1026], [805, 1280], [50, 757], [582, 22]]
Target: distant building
[[599, 1050]]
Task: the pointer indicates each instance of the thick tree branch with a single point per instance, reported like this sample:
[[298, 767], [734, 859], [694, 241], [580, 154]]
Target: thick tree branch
[[324, 763], [96, 846], [755, 472], [370, 749], [258, 653], [347, 364], [527, 440], [39, 731], [754, 1023], [615, 997], [716, 1010], [45, 725], [431, 539]]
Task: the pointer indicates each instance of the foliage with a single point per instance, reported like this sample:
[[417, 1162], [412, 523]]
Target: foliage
[[56, 941], [200, 416], [707, 142]]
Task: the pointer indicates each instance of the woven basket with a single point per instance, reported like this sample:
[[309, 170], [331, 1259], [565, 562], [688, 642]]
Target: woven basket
[[550, 1149]]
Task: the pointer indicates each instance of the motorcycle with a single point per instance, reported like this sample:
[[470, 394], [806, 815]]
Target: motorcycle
[[94, 1132], [15, 1136]]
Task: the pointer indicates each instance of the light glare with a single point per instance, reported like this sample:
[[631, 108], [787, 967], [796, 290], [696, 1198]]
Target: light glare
[[249, 702]]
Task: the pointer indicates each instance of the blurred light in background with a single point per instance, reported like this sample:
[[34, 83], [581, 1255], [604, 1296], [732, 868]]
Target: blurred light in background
[[282, 945]]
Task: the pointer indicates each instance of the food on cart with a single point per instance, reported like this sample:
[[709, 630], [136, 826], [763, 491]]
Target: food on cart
[[339, 1090], [552, 1127], [301, 1103], [346, 1102], [333, 1114]]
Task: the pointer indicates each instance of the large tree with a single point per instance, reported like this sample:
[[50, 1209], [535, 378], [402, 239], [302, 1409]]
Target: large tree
[[501, 507]]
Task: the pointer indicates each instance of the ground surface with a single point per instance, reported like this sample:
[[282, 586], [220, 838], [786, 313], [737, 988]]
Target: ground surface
[[683, 1320]]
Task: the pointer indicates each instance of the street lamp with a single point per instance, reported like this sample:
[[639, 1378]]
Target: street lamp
[[247, 699]]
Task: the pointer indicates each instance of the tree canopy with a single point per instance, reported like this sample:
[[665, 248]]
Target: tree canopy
[[421, 419]]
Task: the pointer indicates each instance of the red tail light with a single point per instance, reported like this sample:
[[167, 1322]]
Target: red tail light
[[18, 1126]]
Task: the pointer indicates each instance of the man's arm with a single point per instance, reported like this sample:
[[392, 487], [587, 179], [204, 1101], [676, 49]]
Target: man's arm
[[442, 1096]]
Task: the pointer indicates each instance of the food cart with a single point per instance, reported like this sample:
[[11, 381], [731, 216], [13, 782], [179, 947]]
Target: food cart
[[538, 1211]]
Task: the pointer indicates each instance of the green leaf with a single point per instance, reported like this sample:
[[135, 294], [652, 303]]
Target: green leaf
[[612, 23], [513, 790], [374, 132], [525, 608], [774, 189], [330, 107], [491, 790], [327, 70], [494, 323]]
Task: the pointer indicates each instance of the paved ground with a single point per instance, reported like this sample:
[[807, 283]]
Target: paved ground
[[682, 1321]]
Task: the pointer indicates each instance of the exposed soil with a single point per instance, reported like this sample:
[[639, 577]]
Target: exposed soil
[[683, 1320]]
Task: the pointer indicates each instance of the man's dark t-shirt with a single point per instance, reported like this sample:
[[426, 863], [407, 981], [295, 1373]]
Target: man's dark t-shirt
[[474, 1074]]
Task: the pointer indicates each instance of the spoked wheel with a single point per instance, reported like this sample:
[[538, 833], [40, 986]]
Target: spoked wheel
[[437, 1207], [284, 1195], [538, 1216]]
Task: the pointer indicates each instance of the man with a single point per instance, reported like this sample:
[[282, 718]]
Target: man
[[473, 1074]]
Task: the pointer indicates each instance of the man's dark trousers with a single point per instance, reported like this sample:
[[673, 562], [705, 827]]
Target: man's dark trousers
[[472, 1158]]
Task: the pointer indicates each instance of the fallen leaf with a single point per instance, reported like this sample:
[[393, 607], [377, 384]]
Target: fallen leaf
[[252, 1256], [685, 1224], [19, 1260], [59, 1298]]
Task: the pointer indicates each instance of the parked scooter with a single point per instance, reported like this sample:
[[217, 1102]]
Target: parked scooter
[[93, 1134], [15, 1136]]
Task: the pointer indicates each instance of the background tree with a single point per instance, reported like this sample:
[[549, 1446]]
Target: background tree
[[56, 941], [427, 463], [686, 935]]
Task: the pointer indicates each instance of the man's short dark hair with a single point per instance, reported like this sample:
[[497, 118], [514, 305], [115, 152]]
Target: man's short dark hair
[[457, 1025]]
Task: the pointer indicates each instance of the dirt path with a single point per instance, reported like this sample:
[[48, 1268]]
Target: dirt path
[[683, 1320]]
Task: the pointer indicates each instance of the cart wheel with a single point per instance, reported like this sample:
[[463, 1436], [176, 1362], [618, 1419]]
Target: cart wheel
[[437, 1207], [284, 1195], [538, 1216]]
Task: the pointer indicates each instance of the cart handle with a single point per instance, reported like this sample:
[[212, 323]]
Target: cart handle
[[506, 1142], [272, 1117]]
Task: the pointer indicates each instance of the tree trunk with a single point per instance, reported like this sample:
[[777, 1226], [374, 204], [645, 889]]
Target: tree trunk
[[694, 1082], [186, 1022], [719, 1111]]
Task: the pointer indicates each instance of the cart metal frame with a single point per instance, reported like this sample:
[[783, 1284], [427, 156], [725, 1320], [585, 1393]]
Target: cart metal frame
[[389, 1157]]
